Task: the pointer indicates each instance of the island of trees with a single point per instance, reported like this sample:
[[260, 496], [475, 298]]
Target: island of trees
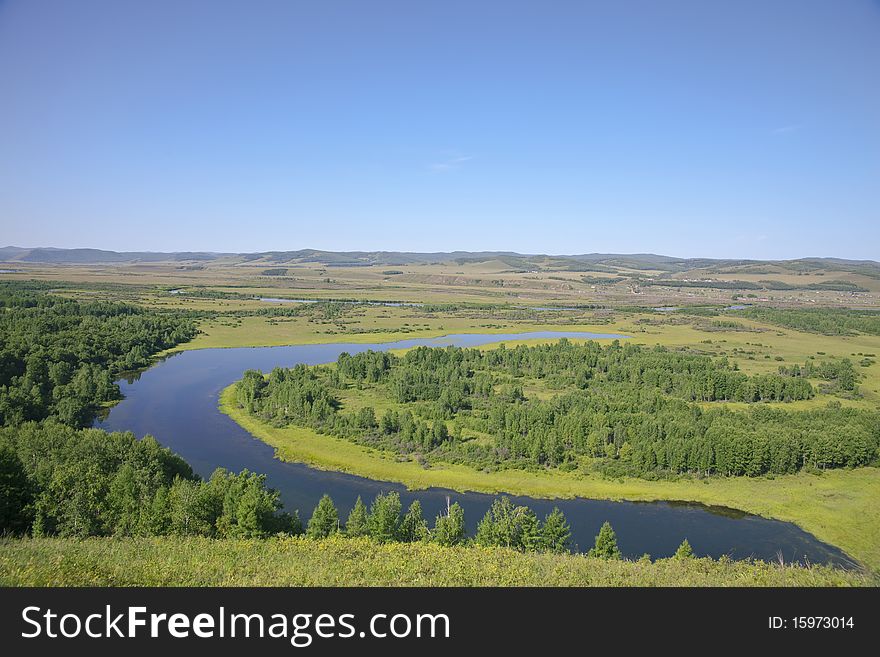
[[648, 412]]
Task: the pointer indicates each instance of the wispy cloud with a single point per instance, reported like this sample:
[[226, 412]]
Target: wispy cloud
[[450, 162], [785, 129]]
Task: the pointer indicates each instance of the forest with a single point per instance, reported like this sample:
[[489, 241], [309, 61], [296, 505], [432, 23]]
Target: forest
[[827, 321], [59, 357], [59, 481], [629, 409]]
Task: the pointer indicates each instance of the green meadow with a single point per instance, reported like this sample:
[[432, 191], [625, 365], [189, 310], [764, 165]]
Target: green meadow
[[337, 561]]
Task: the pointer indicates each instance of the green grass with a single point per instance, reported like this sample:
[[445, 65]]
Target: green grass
[[371, 325], [839, 506], [174, 561]]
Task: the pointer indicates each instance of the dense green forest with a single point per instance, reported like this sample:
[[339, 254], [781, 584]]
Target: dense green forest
[[60, 481], [59, 357], [87, 482], [634, 410], [828, 321]]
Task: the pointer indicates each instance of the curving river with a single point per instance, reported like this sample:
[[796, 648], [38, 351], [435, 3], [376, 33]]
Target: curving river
[[176, 401]]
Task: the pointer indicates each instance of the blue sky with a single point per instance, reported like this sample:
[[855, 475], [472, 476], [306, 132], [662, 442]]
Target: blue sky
[[689, 128]]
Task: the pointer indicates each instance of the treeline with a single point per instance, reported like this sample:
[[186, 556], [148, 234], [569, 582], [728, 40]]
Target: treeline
[[828, 321], [58, 357], [504, 524], [450, 373], [60, 481], [601, 280], [840, 373], [834, 286], [630, 408]]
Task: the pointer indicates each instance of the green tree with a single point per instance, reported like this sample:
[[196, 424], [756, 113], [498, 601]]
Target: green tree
[[606, 544], [510, 526], [255, 511], [556, 532], [324, 520], [684, 551], [16, 493], [288, 523], [156, 515], [193, 510], [384, 519], [124, 502], [356, 525], [529, 530], [449, 528], [413, 526]]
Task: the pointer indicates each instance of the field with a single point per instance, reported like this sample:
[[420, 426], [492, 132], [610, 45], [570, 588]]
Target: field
[[840, 506], [362, 562], [468, 278]]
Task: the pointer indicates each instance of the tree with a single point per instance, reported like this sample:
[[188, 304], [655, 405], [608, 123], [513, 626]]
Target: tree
[[356, 525], [510, 526], [556, 532], [413, 527], [384, 519], [288, 523], [254, 512], [123, 502], [498, 526], [156, 515], [191, 510], [684, 551], [606, 544], [16, 494], [529, 530], [324, 520], [449, 528]]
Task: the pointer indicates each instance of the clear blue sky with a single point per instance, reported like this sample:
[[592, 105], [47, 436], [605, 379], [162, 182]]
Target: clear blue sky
[[689, 128]]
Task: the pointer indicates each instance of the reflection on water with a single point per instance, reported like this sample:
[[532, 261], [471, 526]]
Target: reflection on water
[[718, 510]]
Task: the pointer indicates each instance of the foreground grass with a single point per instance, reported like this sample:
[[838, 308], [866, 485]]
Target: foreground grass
[[839, 507], [174, 561]]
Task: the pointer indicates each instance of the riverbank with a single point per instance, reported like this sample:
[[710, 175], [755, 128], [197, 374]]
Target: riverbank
[[337, 561], [262, 331], [838, 506]]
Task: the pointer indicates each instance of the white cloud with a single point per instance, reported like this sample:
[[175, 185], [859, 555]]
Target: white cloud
[[785, 129], [450, 162]]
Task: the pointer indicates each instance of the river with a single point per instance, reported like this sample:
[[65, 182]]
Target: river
[[176, 401]]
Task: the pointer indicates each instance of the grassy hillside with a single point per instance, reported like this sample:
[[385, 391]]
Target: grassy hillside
[[338, 561]]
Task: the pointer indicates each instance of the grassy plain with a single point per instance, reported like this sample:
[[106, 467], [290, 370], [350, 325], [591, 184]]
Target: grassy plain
[[484, 281], [181, 561]]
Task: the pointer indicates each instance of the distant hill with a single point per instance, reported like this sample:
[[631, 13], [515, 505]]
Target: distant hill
[[93, 256], [596, 262]]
